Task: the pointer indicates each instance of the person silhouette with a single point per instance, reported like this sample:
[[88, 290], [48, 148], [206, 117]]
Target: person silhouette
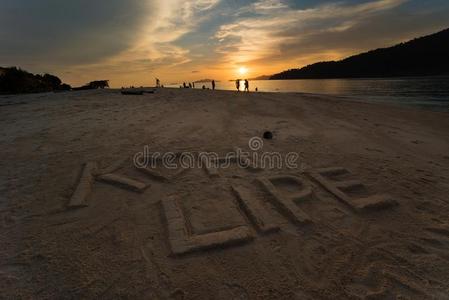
[[158, 82], [237, 85], [213, 84], [190, 85], [193, 84], [246, 85]]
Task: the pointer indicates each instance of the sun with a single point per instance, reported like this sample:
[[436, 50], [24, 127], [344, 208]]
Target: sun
[[243, 70]]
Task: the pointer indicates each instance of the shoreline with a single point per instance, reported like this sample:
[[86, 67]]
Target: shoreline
[[405, 92], [328, 97]]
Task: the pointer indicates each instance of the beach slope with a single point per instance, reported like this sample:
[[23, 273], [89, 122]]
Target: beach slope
[[362, 212]]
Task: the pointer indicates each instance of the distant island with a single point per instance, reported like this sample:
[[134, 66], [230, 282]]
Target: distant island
[[425, 56], [16, 81], [205, 80]]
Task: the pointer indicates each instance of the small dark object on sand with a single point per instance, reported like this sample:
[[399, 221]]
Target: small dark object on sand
[[132, 92], [268, 135]]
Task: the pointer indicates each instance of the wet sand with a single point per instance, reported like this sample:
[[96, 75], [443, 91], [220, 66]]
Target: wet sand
[[364, 214]]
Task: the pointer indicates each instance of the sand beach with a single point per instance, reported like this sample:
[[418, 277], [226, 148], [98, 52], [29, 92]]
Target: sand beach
[[363, 214]]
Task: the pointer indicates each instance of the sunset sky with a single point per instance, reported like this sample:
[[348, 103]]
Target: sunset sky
[[130, 42]]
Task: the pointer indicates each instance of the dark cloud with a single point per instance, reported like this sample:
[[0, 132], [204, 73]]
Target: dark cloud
[[276, 32], [383, 30], [67, 32]]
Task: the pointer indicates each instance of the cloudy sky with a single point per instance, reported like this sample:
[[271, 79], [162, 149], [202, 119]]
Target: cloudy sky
[[130, 42]]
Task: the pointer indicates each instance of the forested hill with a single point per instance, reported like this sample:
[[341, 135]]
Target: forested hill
[[18, 81], [425, 56]]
